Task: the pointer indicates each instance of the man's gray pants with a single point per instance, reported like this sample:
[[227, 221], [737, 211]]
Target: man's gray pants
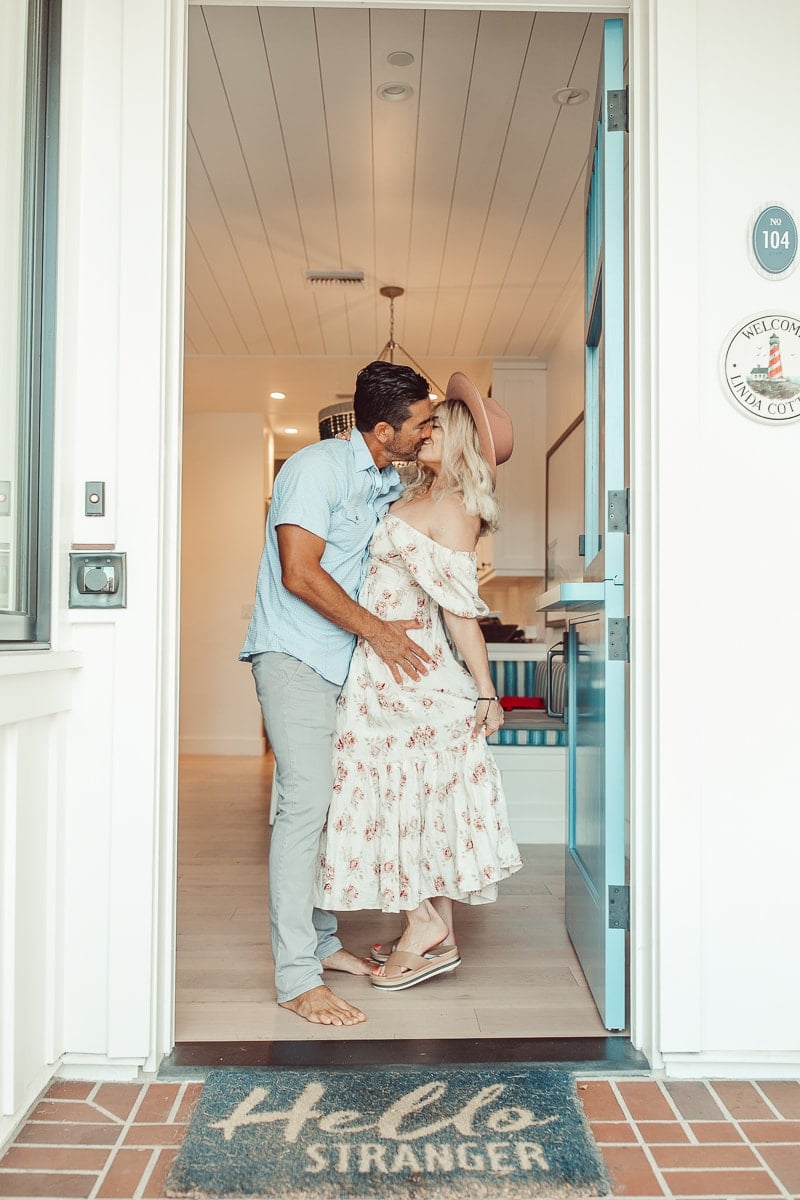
[[299, 709]]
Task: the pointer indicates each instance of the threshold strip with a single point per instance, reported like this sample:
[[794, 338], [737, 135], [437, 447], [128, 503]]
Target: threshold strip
[[593, 1054]]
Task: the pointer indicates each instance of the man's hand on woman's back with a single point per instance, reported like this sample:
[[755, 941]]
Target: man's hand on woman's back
[[401, 653]]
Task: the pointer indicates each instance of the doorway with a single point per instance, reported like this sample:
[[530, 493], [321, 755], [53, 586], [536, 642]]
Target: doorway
[[238, 262], [519, 978]]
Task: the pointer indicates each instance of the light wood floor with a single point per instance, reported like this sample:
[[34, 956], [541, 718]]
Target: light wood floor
[[519, 976]]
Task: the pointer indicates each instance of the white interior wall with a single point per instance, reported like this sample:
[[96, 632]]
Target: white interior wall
[[223, 533], [565, 372]]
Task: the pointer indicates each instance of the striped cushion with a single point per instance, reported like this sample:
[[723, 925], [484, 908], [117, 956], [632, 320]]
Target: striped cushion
[[513, 678], [525, 727], [528, 737]]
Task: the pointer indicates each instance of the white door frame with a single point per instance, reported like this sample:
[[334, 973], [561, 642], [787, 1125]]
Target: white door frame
[[660, 247]]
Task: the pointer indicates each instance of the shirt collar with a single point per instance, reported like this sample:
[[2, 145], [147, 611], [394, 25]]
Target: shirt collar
[[363, 460]]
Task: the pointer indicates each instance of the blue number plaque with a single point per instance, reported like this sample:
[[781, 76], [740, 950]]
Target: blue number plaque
[[775, 240]]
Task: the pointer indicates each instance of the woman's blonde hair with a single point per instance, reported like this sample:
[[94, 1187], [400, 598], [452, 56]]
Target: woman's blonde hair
[[464, 471]]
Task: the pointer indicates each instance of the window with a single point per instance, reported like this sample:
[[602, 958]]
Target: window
[[28, 151]]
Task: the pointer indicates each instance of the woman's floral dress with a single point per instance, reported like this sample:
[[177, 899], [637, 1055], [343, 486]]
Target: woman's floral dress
[[418, 808]]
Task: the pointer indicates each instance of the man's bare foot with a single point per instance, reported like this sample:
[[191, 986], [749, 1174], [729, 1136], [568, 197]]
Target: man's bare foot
[[343, 960], [321, 1006]]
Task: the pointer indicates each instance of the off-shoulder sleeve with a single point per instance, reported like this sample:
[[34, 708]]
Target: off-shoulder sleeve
[[450, 577]]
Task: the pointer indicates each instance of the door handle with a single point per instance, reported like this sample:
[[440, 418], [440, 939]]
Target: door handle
[[558, 650]]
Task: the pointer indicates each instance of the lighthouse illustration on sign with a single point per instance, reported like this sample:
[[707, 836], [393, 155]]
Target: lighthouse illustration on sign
[[770, 380], [775, 368]]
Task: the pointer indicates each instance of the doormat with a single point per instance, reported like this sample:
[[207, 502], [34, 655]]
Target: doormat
[[504, 1133]]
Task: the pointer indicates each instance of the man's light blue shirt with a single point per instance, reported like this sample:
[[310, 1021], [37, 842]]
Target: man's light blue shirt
[[332, 489]]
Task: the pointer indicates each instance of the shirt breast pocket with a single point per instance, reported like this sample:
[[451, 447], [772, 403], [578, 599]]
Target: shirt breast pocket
[[352, 525]]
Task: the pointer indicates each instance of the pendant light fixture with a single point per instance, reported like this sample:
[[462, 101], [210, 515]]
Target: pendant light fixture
[[392, 292], [339, 417]]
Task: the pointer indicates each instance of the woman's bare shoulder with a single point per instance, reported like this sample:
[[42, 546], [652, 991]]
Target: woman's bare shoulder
[[453, 526]]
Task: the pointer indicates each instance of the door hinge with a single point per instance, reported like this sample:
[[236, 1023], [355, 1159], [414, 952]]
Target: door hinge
[[619, 639], [617, 111], [619, 516], [619, 906]]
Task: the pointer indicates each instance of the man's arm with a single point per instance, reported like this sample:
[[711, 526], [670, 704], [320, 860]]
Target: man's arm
[[304, 576]]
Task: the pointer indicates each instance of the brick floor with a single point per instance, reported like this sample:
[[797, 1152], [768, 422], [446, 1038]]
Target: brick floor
[[727, 1140], [722, 1139], [109, 1140]]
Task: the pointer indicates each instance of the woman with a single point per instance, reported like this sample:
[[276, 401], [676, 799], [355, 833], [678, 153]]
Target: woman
[[418, 817]]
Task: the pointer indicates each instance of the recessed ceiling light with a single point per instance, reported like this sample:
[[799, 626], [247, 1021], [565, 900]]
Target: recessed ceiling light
[[569, 96], [400, 58], [277, 395], [432, 396], [291, 429], [395, 91]]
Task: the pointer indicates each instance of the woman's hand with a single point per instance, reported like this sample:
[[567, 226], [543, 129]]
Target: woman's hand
[[489, 716]]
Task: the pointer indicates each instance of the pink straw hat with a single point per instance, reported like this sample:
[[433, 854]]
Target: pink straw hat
[[495, 431]]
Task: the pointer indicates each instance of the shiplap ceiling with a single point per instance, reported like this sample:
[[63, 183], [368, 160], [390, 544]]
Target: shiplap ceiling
[[469, 195]]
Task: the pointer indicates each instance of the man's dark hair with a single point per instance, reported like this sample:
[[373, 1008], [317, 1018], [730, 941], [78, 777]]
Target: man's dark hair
[[385, 392]]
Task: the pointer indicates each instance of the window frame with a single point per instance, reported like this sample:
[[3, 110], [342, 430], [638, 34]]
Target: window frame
[[29, 624]]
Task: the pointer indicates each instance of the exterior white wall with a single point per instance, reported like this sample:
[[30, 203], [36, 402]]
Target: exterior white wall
[[118, 364], [87, 782], [727, 490], [223, 533], [35, 698], [118, 355], [715, 772]]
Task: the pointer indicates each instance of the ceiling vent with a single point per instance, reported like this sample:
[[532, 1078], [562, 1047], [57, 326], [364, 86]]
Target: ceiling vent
[[335, 278]]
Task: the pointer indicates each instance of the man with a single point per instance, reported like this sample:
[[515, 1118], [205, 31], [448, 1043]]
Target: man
[[327, 500]]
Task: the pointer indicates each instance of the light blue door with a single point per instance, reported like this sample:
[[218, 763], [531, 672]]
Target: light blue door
[[597, 635]]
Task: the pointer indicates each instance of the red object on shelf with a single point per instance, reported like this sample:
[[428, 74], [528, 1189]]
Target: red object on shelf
[[508, 703]]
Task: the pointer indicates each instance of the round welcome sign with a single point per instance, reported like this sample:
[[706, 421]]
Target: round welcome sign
[[761, 367]]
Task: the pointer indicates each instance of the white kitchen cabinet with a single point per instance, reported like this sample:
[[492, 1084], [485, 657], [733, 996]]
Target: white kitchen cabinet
[[518, 547]]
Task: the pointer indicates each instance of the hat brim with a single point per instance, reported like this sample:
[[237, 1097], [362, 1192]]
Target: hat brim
[[495, 433]]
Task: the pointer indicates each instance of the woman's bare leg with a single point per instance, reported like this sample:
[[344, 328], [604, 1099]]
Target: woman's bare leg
[[444, 907], [424, 930]]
